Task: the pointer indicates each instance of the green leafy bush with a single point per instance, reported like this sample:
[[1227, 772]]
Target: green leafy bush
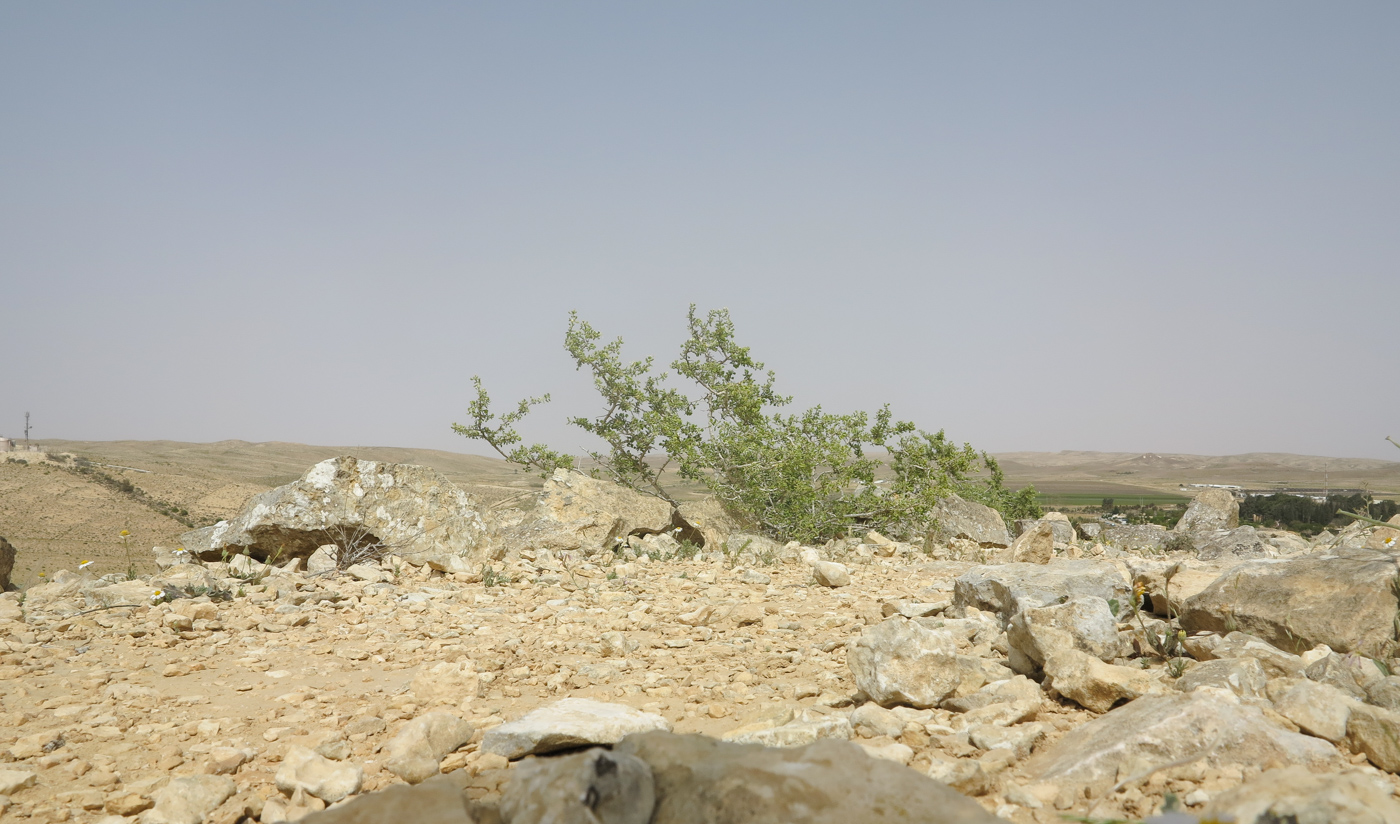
[[806, 476]]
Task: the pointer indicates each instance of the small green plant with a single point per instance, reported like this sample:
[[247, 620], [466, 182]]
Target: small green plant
[[1114, 606], [1176, 667], [492, 578], [612, 575]]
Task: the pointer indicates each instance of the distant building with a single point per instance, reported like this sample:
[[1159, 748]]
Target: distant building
[[7, 445]]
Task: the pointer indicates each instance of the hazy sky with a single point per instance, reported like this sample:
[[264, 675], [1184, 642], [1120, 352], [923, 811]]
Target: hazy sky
[[1040, 226]]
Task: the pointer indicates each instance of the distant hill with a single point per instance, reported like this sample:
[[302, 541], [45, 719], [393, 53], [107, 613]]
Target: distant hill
[[1159, 472], [58, 518]]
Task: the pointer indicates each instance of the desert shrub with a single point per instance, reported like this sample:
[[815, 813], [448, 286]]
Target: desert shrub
[[808, 475]]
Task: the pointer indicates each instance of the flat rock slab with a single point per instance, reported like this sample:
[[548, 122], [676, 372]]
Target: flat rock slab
[[1342, 598], [1006, 589], [572, 722], [1156, 730], [699, 780]]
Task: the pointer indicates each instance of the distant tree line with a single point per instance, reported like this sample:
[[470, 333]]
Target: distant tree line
[[1306, 515]]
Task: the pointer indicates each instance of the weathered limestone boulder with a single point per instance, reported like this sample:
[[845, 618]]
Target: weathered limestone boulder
[[572, 722], [1243, 676], [188, 800], [1376, 732], [7, 564], [596, 785], [415, 752], [897, 661], [1317, 709], [1135, 536], [1297, 794], [314, 774], [1019, 690], [1091, 530], [1276, 662], [575, 511], [439, 800], [955, 517], [699, 780], [1343, 599], [1034, 546], [1157, 730], [1091, 683], [1212, 509], [796, 733], [1354, 675], [831, 574], [714, 523], [1229, 544], [1283, 541], [1058, 522], [1085, 624], [412, 510], [1010, 588]]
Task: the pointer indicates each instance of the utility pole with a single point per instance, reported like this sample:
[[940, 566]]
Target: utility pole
[[26, 428]]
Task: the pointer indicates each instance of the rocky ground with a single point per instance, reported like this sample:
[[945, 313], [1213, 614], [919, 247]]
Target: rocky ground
[[1019, 674]]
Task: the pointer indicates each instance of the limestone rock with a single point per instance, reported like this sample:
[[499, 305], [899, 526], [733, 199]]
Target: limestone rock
[[1385, 693], [1156, 730], [874, 721], [1012, 690], [572, 722], [188, 800], [956, 517], [12, 781], [436, 801], [1317, 709], [1010, 588], [701, 781], [831, 574], [1238, 543], [1091, 683], [1210, 510], [302, 769], [597, 785], [1342, 599], [575, 511], [7, 564], [1034, 546], [1376, 732], [322, 560], [416, 751], [1352, 674], [414, 509], [1086, 624], [1297, 794], [1135, 536], [446, 683], [1058, 522], [897, 661], [1243, 676], [797, 733], [1275, 661]]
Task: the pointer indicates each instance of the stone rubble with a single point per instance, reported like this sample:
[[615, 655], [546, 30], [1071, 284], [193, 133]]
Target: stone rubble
[[228, 692]]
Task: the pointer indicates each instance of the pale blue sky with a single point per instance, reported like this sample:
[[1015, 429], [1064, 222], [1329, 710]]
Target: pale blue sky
[[1169, 228]]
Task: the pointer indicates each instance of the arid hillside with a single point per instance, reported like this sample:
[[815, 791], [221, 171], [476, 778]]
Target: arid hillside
[[58, 517]]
